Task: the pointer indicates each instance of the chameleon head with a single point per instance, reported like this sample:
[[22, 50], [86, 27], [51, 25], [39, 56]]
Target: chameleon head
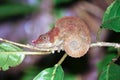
[[43, 41], [49, 39]]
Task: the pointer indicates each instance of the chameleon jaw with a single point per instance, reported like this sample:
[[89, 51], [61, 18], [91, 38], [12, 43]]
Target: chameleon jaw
[[56, 46]]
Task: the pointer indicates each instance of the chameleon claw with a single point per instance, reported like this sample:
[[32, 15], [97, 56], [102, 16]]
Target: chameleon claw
[[58, 50], [53, 51]]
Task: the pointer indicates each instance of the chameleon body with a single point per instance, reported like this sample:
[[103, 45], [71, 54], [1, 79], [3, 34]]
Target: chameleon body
[[70, 34]]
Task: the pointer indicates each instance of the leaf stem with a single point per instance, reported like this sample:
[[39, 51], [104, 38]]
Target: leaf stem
[[62, 59]]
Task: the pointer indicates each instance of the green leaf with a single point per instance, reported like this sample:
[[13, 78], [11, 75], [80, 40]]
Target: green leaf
[[105, 61], [112, 11], [111, 18], [70, 77], [57, 2], [10, 60], [111, 72], [112, 24], [53, 73], [59, 13], [30, 73], [9, 10]]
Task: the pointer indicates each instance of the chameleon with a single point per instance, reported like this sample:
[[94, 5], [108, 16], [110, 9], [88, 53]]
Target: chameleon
[[70, 34]]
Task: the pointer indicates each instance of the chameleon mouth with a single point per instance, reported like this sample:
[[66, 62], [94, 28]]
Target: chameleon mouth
[[44, 45], [57, 45]]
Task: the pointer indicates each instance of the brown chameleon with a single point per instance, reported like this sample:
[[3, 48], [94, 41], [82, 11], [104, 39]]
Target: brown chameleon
[[70, 34]]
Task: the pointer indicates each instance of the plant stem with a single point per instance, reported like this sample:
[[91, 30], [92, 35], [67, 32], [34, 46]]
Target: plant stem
[[98, 34], [105, 44], [26, 53], [97, 44], [118, 52], [24, 46], [62, 59]]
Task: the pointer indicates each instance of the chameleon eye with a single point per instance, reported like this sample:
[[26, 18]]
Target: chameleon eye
[[45, 38]]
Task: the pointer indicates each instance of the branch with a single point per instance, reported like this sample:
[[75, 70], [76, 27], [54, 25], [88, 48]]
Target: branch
[[62, 59], [24, 46], [48, 51], [26, 53], [105, 44]]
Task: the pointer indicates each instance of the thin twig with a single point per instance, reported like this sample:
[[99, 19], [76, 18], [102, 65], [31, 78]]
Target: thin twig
[[26, 53], [24, 46], [105, 44], [98, 34], [97, 44], [62, 59]]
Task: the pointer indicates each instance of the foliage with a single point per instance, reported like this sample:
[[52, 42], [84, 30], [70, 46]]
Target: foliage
[[106, 60], [9, 10], [54, 73], [10, 60], [58, 2], [30, 73], [111, 18], [110, 72]]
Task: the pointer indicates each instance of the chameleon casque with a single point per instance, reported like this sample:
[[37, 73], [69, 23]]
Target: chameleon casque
[[70, 34]]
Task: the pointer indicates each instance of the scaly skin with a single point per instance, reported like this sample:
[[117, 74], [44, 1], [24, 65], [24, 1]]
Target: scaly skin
[[70, 34]]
